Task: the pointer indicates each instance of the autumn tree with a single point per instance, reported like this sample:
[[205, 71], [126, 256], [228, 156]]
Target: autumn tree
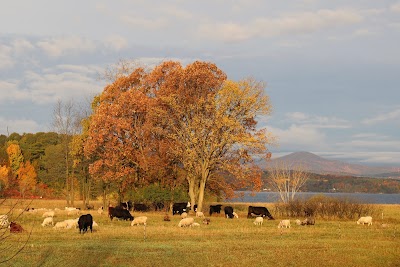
[[27, 178], [117, 135], [287, 180], [15, 156], [212, 122]]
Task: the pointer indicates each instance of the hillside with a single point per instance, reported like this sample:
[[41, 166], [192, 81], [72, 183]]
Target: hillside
[[316, 164]]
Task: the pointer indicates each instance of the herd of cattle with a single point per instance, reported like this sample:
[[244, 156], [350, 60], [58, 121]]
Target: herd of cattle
[[122, 212]]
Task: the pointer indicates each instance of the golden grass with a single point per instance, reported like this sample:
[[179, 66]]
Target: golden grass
[[224, 242]]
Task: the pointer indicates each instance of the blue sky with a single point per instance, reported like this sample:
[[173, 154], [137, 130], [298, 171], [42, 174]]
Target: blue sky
[[331, 67]]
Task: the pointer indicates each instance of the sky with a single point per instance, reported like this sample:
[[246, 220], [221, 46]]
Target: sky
[[331, 68]]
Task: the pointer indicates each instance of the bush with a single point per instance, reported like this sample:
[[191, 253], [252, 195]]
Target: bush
[[325, 207]]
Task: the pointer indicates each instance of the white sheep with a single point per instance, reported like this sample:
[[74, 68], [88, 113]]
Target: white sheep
[[258, 221], [235, 215], [186, 222], [284, 223], [365, 220], [95, 224], [100, 210], [200, 214], [195, 224], [139, 220], [71, 223], [184, 215], [298, 222], [48, 214], [60, 225], [48, 221], [4, 223]]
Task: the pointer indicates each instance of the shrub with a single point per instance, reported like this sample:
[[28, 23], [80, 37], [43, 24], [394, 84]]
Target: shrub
[[325, 207]]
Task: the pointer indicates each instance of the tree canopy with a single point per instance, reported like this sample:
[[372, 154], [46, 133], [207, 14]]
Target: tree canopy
[[173, 117]]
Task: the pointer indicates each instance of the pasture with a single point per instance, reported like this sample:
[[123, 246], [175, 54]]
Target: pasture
[[225, 242]]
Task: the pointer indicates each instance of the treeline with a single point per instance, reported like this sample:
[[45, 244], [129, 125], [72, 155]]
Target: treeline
[[346, 184]]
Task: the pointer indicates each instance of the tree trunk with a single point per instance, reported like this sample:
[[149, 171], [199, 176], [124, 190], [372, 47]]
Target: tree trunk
[[192, 194], [201, 195]]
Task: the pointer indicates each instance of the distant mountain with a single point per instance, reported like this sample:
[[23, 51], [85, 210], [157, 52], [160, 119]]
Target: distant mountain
[[316, 164]]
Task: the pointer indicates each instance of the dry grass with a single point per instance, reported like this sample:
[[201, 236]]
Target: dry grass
[[224, 242]]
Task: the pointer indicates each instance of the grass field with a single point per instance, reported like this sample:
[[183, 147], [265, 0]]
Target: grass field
[[224, 242]]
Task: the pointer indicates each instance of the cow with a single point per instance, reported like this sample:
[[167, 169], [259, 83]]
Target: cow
[[180, 207], [120, 213], [126, 205], [140, 207], [259, 212], [195, 207], [16, 228], [158, 206], [215, 209], [84, 222], [229, 212]]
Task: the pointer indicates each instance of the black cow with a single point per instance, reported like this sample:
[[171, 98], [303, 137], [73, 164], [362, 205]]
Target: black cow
[[181, 207], [140, 207], [259, 212], [158, 206], [126, 205], [215, 209], [229, 212], [119, 213], [195, 207], [84, 222]]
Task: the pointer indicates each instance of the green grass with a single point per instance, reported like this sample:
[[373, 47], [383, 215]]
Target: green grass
[[224, 242]]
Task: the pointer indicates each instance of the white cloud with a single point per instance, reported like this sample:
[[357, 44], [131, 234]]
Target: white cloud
[[116, 42], [6, 60], [19, 126], [395, 8], [393, 116], [313, 121], [22, 46], [56, 47], [51, 86], [298, 137], [292, 24], [144, 23], [10, 91]]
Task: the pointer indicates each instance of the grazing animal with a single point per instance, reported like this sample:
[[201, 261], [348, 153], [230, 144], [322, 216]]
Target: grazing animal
[[166, 218], [298, 222], [48, 221], [308, 221], [258, 221], [235, 215], [229, 212], [215, 209], [284, 223], [139, 220], [16, 228], [100, 210], [184, 215], [60, 225], [119, 213], [206, 221], [199, 214], [195, 224], [259, 211], [180, 207], [85, 222], [195, 207], [71, 223], [4, 223], [48, 214], [186, 222], [140, 207], [365, 220], [71, 210], [126, 205]]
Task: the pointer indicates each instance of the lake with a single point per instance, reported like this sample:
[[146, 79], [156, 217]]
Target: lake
[[360, 197]]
